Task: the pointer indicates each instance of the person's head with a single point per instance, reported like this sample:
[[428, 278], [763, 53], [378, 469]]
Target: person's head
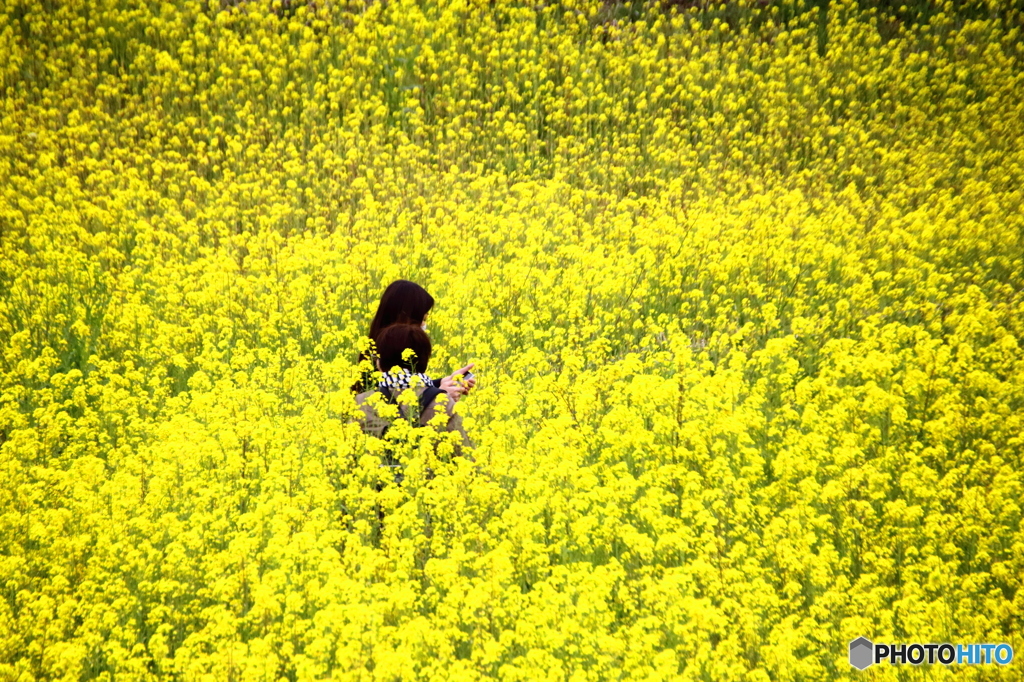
[[394, 340], [403, 302]]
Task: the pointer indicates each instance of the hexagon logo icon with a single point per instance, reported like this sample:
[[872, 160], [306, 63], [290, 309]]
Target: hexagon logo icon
[[861, 653]]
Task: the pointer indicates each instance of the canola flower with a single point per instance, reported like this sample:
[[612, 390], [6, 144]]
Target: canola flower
[[743, 282]]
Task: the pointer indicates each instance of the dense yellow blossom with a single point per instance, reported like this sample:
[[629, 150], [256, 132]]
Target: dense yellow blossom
[[743, 283]]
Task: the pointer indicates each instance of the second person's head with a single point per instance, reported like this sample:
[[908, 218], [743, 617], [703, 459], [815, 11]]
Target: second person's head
[[393, 341]]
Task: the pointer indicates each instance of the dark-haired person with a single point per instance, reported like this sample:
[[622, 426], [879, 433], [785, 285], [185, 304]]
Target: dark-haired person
[[405, 302], [392, 342]]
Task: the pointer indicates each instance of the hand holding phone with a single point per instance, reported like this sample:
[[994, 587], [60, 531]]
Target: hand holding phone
[[460, 387], [468, 378]]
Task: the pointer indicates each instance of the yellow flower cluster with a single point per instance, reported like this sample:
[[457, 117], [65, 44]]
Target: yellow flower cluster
[[743, 282]]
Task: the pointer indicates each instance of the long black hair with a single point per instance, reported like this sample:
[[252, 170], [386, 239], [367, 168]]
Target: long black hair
[[403, 302]]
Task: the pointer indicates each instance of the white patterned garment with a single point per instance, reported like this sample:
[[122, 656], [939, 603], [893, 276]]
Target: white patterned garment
[[404, 380]]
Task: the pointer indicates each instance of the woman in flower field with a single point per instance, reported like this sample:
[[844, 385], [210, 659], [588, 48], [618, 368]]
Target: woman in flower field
[[405, 302], [403, 352]]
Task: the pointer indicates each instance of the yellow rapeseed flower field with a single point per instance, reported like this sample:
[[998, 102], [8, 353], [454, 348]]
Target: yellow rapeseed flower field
[[743, 282]]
